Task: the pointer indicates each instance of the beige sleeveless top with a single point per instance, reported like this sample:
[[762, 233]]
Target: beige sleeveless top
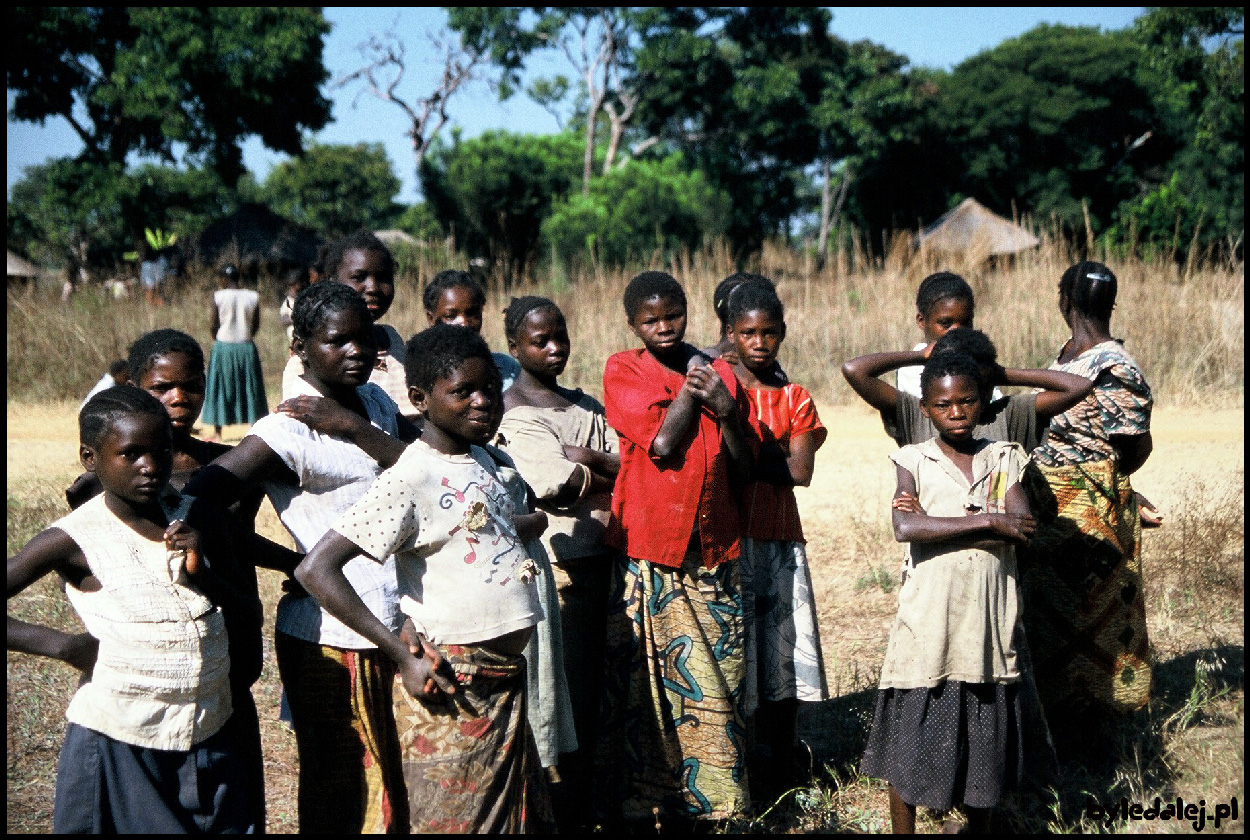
[[162, 676]]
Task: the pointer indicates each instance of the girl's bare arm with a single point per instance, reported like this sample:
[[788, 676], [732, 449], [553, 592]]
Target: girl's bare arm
[[51, 550], [795, 469], [321, 573], [909, 526], [228, 478], [1062, 390], [706, 385], [682, 411], [329, 417], [863, 375]]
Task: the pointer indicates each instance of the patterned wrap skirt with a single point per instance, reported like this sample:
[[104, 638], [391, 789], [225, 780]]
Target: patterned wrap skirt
[[784, 658], [672, 734], [470, 763], [234, 389], [350, 780], [1084, 610]]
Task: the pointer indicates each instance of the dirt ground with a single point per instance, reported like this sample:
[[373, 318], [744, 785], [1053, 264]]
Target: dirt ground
[[845, 514]]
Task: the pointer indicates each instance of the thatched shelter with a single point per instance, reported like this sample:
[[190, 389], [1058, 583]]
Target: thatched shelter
[[391, 238], [971, 226], [255, 239], [21, 270]]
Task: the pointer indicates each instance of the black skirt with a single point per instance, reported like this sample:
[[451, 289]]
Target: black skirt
[[956, 743]]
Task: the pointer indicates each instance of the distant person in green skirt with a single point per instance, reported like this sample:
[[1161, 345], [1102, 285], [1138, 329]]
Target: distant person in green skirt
[[235, 390]]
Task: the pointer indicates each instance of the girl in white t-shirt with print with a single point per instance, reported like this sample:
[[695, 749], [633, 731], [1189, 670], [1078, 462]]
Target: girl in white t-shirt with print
[[464, 578]]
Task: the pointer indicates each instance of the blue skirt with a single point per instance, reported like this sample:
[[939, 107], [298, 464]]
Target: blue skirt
[[235, 391], [956, 743]]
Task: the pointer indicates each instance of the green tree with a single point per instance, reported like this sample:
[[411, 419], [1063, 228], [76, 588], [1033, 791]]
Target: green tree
[[735, 89], [420, 220], [493, 192], [1195, 67], [335, 189], [598, 43], [870, 101], [1048, 120], [635, 211], [71, 212], [170, 83], [151, 80]]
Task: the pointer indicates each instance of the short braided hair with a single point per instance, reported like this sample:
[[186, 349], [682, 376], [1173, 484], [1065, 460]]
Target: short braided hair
[[101, 412], [520, 308], [315, 303]]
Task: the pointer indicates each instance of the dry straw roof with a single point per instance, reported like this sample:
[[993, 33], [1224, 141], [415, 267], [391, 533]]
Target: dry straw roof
[[19, 267], [971, 226]]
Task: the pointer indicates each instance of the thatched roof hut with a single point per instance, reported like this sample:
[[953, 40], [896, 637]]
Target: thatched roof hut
[[391, 238], [21, 269], [255, 239], [971, 226]]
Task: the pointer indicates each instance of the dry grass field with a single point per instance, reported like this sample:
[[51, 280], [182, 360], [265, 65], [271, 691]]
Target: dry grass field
[[1188, 332]]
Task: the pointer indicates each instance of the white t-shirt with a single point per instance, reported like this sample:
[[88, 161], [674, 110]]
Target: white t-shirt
[[235, 308], [333, 474], [463, 574], [106, 381]]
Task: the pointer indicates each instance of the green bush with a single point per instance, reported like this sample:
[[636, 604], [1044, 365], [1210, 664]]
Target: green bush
[[636, 211]]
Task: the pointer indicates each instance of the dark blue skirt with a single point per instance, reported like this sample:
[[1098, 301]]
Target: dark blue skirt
[[956, 743]]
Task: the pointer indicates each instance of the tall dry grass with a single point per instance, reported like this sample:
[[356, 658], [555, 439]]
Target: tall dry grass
[[1184, 324]]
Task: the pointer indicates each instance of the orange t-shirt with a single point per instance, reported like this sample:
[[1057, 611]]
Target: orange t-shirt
[[770, 511]]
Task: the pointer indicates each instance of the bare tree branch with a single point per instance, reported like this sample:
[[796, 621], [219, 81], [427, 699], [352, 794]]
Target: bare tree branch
[[384, 72]]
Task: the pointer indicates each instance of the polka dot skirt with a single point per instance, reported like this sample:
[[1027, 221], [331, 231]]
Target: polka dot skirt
[[956, 743]]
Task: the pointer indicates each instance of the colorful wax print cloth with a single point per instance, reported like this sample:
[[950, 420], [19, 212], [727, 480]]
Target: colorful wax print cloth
[[350, 781], [1084, 606], [470, 762], [672, 735], [1120, 404]]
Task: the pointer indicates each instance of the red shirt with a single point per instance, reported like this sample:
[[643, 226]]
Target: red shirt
[[657, 502], [770, 511]]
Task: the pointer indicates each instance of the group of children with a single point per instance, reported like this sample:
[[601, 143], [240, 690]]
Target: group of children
[[500, 583]]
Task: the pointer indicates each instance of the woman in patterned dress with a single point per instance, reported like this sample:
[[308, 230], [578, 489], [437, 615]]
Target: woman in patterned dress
[[1085, 615]]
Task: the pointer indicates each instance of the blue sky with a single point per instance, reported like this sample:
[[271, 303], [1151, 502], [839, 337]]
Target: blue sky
[[939, 37]]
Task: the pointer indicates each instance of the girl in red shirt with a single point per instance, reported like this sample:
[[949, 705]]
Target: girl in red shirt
[[673, 735]]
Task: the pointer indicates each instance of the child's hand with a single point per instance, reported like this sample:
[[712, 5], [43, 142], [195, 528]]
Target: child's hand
[[321, 415], [1150, 516], [426, 675], [81, 651], [907, 503], [697, 360], [707, 386], [181, 537], [1013, 526], [530, 526]]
